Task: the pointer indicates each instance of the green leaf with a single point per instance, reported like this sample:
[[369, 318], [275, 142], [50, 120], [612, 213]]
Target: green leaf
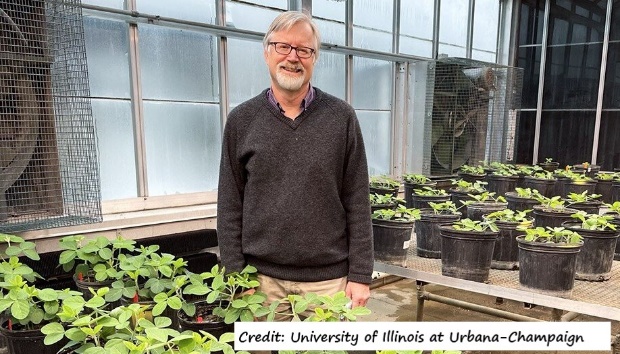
[[175, 303], [32, 254], [239, 304], [20, 309], [13, 251], [162, 322], [53, 338], [158, 334], [48, 295], [105, 253], [51, 306], [67, 256], [52, 328], [246, 316], [159, 308], [36, 315], [188, 308], [95, 302]]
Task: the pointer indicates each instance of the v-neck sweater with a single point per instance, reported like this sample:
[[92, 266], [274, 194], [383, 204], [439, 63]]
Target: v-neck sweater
[[293, 194]]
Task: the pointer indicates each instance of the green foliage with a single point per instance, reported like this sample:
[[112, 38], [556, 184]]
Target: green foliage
[[383, 182], [607, 176], [323, 308], [474, 225], [485, 197], [614, 207], [505, 170], [576, 178], [385, 199], [446, 207], [551, 235], [509, 215], [401, 213], [416, 178], [553, 203], [16, 246], [472, 170], [594, 221], [461, 185], [528, 193], [574, 198], [543, 175], [549, 160], [429, 191]]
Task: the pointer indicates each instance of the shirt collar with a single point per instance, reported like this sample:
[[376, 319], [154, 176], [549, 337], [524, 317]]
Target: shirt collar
[[305, 103]]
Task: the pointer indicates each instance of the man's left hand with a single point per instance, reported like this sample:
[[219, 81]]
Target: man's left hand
[[358, 293]]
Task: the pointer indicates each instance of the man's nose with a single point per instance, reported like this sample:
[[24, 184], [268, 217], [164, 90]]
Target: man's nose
[[292, 56]]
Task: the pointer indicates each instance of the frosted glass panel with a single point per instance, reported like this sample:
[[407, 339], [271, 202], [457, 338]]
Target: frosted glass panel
[[486, 17], [376, 132], [115, 4], [247, 70], [414, 46], [329, 9], [329, 74], [331, 32], [107, 46], [370, 39], [416, 18], [191, 10], [453, 22], [452, 51], [178, 65], [373, 14], [484, 56], [372, 84], [249, 17], [182, 147], [117, 158]]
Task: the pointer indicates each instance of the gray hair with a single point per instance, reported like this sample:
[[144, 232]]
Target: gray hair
[[288, 19]]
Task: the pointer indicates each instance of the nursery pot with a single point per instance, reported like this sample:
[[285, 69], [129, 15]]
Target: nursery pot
[[428, 237], [409, 190], [466, 254], [391, 240], [210, 323], [578, 187], [29, 341], [616, 221], [597, 254], [517, 203], [506, 251], [475, 211], [549, 166], [589, 171], [458, 197], [603, 187], [547, 267], [471, 178], [421, 201], [546, 187], [544, 216], [501, 184], [559, 185], [591, 207], [382, 191], [615, 191]]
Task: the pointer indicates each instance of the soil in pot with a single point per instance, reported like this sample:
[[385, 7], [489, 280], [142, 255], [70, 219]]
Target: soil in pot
[[391, 240], [546, 187], [506, 250], [501, 184], [544, 216], [476, 211], [410, 187], [428, 237], [466, 254], [548, 268], [517, 203], [28, 341], [204, 320], [596, 257]]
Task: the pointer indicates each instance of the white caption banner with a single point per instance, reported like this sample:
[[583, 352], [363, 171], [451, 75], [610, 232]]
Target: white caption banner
[[563, 336]]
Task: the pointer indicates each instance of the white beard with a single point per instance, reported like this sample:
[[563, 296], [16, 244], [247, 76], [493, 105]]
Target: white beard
[[288, 82]]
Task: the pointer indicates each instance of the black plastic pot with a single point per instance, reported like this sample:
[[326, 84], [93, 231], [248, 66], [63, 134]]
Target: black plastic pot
[[216, 328], [579, 187], [559, 185], [591, 207], [544, 216], [546, 187], [466, 254], [603, 187], [590, 171], [391, 240], [28, 341], [471, 178], [547, 267], [615, 191], [428, 237], [383, 191], [506, 250], [410, 187], [475, 211], [458, 197], [616, 221], [421, 201], [501, 184], [597, 254], [549, 166], [519, 204]]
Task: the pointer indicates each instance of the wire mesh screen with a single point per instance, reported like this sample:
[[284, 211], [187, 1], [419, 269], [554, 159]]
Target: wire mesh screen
[[472, 107], [49, 174]]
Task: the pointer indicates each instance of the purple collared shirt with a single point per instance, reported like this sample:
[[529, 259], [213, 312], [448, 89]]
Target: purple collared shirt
[[304, 103]]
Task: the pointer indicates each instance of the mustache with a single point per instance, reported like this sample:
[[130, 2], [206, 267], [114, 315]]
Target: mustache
[[292, 67]]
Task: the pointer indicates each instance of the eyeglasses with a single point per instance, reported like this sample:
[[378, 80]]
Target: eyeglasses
[[285, 49]]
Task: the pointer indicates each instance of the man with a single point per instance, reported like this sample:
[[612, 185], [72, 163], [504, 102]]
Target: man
[[293, 186]]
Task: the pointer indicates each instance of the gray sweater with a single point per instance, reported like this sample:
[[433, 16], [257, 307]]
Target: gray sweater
[[293, 194]]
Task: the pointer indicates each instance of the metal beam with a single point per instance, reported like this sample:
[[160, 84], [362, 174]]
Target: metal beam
[[541, 83]]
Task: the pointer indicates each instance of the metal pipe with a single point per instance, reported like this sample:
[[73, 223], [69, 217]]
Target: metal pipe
[[478, 308], [541, 82], [348, 66], [437, 7], [569, 316], [222, 45], [470, 29], [419, 315]]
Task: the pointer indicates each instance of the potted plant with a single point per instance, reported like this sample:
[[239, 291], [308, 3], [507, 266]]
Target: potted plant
[[502, 180], [95, 262], [384, 185], [523, 171], [391, 231], [614, 211], [599, 243], [562, 177], [509, 223], [585, 202], [471, 174], [549, 165], [551, 212], [522, 199], [579, 183], [421, 197], [604, 181], [462, 191], [415, 181], [547, 259], [543, 181], [428, 237], [587, 169], [484, 203], [467, 249], [384, 201], [315, 308]]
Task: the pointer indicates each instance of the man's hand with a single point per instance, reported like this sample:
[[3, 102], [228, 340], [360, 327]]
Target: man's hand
[[358, 293]]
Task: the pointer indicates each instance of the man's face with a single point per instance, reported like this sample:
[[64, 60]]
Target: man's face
[[289, 72]]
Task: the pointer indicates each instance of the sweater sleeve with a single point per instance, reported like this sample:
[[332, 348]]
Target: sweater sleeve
[[230, 201], [357, 206]]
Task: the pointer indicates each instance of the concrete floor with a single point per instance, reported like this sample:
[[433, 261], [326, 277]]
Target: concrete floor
[[397, 302]]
